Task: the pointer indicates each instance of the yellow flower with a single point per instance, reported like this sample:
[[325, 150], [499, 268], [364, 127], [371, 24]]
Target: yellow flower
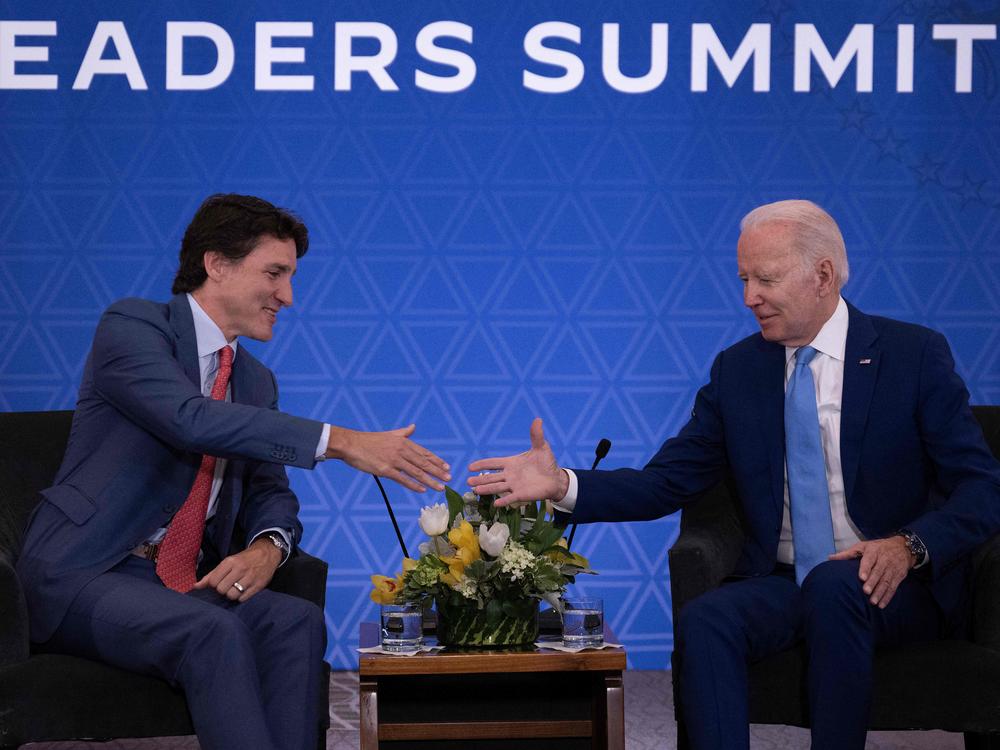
[[408, 564], [386, 589], [466, 543]]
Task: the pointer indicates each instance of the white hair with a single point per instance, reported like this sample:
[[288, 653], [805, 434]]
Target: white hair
[[815, 233]]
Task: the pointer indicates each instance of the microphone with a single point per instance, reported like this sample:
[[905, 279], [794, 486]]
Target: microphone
[[392, 515], [599, 453]]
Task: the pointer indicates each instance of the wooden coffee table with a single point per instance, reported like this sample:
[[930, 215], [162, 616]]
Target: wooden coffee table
[[527, 699]]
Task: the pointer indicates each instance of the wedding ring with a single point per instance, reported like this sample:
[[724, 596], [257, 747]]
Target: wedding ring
[[239, 587]]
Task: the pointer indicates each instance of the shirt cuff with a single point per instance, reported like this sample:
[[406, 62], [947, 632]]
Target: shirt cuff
[[568, 502], [324, 441], [284, 534]]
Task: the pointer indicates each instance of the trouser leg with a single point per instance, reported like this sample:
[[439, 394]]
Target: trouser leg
[[208, 646], [718, 634], [842, 630]]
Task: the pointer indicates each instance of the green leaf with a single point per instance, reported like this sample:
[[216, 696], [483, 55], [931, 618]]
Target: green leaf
[[494, 611], [512, 517], [531, 511], [455, 504]]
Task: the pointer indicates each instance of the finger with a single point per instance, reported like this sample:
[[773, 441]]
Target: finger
[[488, 464], [420, 475], [537, 434], [512, 500], [427, 462], [868, 559], [880, 592], [400, 478], [495, 487], [875, 576], [851, 553]]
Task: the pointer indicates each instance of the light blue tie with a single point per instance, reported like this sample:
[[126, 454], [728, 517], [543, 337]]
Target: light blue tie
[[812, 529]]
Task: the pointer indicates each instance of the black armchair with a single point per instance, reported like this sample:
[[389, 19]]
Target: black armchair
[[49, 697], [953, 685]]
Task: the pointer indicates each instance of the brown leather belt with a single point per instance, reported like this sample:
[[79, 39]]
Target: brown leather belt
[[148, 551]]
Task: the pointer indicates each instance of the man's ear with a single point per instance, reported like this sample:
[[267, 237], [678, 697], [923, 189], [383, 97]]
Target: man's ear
[[826, 279], [216, 264]]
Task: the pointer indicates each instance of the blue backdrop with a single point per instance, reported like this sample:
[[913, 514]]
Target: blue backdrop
[[488, 252]]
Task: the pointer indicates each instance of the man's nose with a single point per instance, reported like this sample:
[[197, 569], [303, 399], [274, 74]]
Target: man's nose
[[284, 293], [750, 296]]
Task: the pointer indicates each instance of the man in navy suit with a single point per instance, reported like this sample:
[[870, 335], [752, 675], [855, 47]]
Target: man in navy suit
[[870, 550], [176, 420]]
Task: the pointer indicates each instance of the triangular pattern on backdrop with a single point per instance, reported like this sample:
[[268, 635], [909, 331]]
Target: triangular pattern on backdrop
[[525, 212], [477, 358], [656, 358], [613, 162], [28, 356], [434, 343], [75, 212], [299, 356], [391, 227], [570, 278], [568, 229], [345, 292], [167, 213], [521, 343], [390, 406], [476, 407], [22, 276], [483, 146], [342, 215], [563, 408], [701, 292], [22, 230], [612, 415], [658, 228], [122, 226], [73, 293], [877, 291], [613, 293], [567, 358], [699, 343], [479, 277], [345, 160], [434, 293], [388, 358], [344, 341], [435, 210], [661, 409], [167, 162], [525, 163], [969, 292], [436, 162], [76, 161], [614, 213], [523, 292], [479, 227], [391, 277], [613, 343], [970, 343]]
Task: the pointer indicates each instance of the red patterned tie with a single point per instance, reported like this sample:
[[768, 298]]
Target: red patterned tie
[[175, 564]]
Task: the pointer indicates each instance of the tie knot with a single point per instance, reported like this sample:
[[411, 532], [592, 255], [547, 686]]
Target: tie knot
[[804, 355]]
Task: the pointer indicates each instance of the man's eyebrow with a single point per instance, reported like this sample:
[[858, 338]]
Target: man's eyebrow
[[283, 267]]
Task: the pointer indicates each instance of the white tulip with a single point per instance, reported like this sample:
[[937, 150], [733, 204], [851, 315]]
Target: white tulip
[[493, 539], [434, 520]]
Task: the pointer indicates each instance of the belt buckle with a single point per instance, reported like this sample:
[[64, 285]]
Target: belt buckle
[[148, 551]]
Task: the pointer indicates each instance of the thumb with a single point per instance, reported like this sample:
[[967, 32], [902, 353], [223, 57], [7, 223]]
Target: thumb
[[537, 434], [406, 431]]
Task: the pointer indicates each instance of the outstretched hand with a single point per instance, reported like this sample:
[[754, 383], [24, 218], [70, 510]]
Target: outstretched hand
[[524, 478], [389, 454]]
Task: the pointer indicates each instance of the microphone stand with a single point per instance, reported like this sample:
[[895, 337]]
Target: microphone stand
[[392, 515]]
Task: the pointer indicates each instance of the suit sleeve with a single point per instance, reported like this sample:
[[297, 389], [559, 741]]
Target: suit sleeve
[[682, 470], [966, 499], [136, 369]]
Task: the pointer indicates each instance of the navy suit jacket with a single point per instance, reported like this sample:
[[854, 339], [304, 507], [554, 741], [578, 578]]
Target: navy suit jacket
[[139, 432], [912, 453]]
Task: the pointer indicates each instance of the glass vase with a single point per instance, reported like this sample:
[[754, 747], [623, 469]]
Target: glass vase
[[468, 626]]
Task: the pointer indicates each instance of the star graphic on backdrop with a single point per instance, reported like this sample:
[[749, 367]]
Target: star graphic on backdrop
[[928, 170], [890, 145], [855, 116], [971, 190]]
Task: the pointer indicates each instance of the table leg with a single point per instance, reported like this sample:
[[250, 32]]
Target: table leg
[[614, 691], [368, 705]]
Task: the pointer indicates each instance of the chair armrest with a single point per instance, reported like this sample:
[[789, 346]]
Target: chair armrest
[[986, 594], [708, 547], [14, 645], [303, 576]]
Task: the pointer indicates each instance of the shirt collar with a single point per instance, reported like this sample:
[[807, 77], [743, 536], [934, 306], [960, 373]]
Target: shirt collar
[[832, 337], [209, 336]]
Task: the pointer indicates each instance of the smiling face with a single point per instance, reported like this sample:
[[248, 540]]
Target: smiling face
[[243, 297], [790, 299]]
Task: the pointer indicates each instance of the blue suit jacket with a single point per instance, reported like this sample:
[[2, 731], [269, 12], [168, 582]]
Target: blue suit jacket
[[140, 429], [912, 453]]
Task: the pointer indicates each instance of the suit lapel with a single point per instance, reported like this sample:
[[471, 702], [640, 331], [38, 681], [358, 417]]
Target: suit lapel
[[861, 365], [768, 403], [187, 343]]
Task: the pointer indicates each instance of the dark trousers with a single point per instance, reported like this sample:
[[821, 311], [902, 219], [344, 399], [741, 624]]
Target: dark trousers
[[724, 630], [251, 672]]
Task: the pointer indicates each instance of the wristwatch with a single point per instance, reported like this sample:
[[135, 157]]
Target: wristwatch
[[914, 545], [278, 541]]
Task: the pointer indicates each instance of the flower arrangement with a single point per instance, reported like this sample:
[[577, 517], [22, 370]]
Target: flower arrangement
[[485, 568]]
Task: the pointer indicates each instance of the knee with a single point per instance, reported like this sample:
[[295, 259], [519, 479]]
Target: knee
[[833, 587], [702, 617]]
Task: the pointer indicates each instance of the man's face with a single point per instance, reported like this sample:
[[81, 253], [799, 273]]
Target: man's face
[[787, 299], [252, 290]]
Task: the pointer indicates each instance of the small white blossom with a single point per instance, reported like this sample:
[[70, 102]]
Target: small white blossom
[[434, 519], [493, 539], [515, 560], [470, 497], [467, 587]]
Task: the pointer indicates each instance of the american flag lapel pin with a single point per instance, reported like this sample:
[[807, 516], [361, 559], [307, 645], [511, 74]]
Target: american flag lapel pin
[[865, 361]]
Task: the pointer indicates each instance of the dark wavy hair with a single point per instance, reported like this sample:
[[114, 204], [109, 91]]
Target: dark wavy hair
[[233, 225]]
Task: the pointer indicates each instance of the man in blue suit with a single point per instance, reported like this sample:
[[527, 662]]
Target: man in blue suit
[[171, 510], [864, 481]]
